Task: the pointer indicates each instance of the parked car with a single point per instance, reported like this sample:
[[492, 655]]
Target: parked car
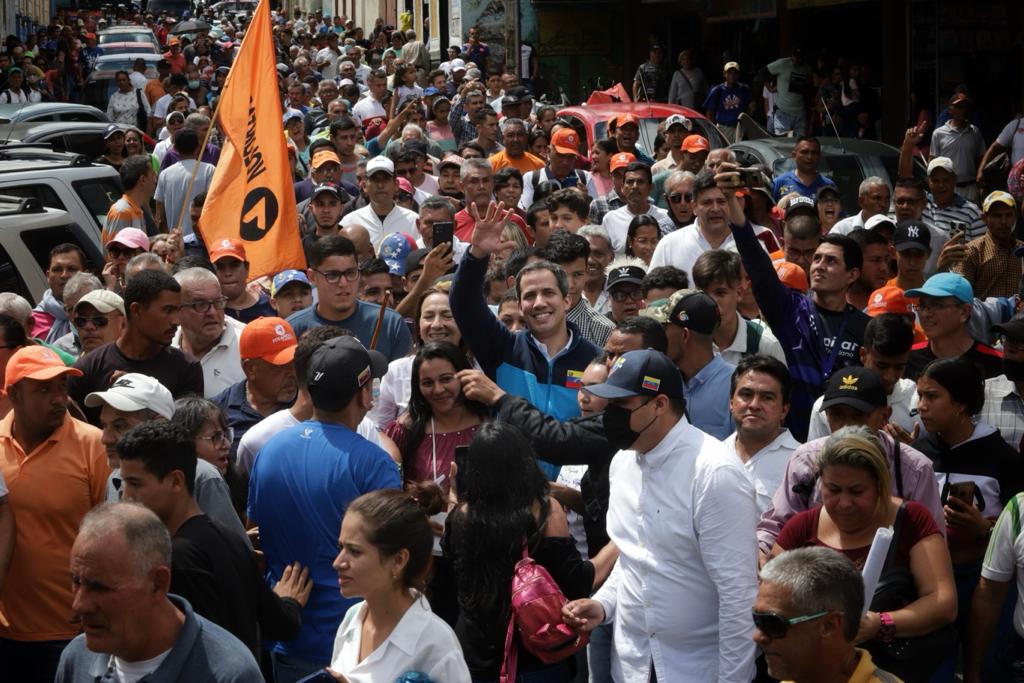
[[28, 231], [591, 122], [59, 180], [102, 81], [847, 161], [81, 137], [49, 111], [129, 48], [233, 7], [127, 34]]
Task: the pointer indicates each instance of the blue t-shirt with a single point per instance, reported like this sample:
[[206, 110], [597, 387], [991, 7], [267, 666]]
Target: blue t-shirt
[[302, 481], [394, 340], [728, 103], [789, 182], [260, 309]]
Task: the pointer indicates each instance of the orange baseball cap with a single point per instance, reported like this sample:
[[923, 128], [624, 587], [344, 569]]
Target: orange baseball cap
[[620, 160], [888, 299], [695, 143], [623, 119], [324, 156], [35, 362], [792, 275], [227, 249], [269, 339], [566, 141]]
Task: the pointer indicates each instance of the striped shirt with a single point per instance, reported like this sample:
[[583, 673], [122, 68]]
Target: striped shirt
[[124, 213], [594, 327], [960, 210], [603, 204], [1004, 410]]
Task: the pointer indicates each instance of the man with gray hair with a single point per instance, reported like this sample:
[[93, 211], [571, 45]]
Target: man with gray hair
[[200, 123], [120, 577], [78, 286], [478, 185], [147, 260], [806, 618], [873, 198], [415, 52], [20, 309], [514, 135], [206, 333]]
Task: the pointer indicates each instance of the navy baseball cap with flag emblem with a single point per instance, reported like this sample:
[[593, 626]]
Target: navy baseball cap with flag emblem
[[641, 373]]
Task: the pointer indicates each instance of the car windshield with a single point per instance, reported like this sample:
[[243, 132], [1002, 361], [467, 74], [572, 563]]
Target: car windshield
[[649, 130], [98, 194]]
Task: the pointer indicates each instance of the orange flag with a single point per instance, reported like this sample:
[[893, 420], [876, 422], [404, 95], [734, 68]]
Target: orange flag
[[251, 196]]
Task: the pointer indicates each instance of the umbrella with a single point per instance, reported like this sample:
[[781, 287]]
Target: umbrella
[[190, 27]]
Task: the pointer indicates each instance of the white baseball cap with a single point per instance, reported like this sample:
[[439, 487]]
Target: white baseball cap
[[132, 392], [945, 163], [380, 163]]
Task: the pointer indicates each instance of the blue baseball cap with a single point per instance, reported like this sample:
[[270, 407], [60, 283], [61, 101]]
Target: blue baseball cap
[[430, 91], [945, 284], [394, 248], [285, 277], [641, 373]]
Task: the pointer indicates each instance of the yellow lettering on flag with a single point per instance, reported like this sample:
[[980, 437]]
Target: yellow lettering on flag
[[251, 197]]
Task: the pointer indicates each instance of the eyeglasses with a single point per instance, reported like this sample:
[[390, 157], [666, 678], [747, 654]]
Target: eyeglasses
[[623, 295], [776, 627], [219, 436], [677, 197], [333, 277], [933, 305], [202, 306], [98, 321]]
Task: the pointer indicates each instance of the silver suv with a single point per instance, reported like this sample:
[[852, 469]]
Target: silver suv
[[61, 180], [28, 231]]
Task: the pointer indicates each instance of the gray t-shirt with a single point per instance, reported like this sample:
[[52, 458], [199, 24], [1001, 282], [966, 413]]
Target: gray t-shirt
[[171, 187], [792, 82]]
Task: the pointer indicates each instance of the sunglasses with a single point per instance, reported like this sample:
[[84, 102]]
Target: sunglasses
[[620, 295], [98, 321], [776, 627], [677, 197]]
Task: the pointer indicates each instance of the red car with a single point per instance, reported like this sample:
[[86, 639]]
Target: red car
[[591, 122]]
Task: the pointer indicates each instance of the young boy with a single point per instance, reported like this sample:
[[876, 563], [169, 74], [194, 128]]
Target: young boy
[[290, 291]]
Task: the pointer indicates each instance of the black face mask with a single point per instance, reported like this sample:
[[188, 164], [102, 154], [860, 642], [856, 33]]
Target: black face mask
[[1013, 369], [617, 429]]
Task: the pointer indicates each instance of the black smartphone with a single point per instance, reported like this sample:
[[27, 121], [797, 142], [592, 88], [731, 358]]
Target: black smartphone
[[318, 677], [444, 231], [963, 490], [461, 463]]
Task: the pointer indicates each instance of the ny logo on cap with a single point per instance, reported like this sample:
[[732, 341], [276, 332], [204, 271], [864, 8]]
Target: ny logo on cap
[[912, 231]]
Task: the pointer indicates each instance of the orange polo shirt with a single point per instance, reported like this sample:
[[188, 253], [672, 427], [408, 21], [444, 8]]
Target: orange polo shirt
[[50, 490], [524, 164]]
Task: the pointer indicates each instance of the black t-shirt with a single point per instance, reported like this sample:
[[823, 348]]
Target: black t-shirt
[[178, 371], [988, 359], [852, 335], [215, 571]]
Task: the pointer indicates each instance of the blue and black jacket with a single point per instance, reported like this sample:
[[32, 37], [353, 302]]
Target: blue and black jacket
[[513, 359]]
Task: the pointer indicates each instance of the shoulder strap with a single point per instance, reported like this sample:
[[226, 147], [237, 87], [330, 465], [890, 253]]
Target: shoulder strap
[[581, 178], [535, 179], [754, 333], [897, 465]]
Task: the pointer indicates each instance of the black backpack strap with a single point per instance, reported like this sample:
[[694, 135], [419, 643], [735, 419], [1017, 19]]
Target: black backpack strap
[[897, 465]]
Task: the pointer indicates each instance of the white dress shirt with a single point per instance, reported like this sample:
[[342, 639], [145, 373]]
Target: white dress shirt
[[767, 467], [395, 390], [421, 641], [222, 365], [683, 518], [768, 345], [848, 225], [616, 224], [682, 248], [398, 220]]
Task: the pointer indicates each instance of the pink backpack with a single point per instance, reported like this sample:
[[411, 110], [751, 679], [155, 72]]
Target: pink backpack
[[537, 603]]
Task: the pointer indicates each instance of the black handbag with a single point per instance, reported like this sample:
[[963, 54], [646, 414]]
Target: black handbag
[[912, 659]]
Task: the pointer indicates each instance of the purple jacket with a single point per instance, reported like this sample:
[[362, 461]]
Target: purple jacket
[[918, 478]]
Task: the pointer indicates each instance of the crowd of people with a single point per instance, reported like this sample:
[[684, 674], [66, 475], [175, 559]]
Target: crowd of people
[[523, 414]]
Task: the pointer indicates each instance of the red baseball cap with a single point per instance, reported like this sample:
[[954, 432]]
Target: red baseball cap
[[227, 249], [792, 275], [888, 299], [566, 141], [623, 119], [695, 143], [269, 339], [620, 160], [35, 362]]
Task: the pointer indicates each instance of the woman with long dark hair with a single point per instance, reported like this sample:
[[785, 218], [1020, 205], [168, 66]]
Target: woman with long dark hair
[[439, 417], [504, 503], [642, 237]]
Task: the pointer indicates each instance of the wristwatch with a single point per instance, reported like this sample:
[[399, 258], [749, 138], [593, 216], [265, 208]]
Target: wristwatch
[[887, 630]]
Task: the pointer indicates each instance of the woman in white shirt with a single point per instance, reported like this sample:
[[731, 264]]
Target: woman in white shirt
[[386, 542]]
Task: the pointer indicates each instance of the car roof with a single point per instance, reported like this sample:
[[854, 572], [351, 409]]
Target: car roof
[[28, 109], [644, 110], [19, 131], [127, 57], [129, 43], [133, 28]]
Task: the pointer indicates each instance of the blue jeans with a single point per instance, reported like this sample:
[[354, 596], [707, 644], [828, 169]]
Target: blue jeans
[[599, 653], [290, 669], [783, 122]]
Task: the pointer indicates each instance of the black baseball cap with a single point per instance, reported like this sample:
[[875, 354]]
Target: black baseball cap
[[414, 260], [641, 373], [339, 369], [417, 147], [1011, 330], [912, 234], [801, 204], [325, 187], [689, 308], [856, 387], [633, 274], [827, 189]]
